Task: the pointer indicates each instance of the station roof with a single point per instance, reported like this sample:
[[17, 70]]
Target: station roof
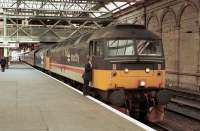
[[50, 17], [66, 8]]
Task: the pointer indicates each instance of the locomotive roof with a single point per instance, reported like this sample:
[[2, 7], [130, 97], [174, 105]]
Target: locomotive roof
[[123, 31]]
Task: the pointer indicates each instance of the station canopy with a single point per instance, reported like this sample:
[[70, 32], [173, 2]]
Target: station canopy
[[56, 20], [65, 8]]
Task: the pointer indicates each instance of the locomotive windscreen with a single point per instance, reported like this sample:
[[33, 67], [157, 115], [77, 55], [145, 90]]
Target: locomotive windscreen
[[133, 47], [120, 47], [149, 47]]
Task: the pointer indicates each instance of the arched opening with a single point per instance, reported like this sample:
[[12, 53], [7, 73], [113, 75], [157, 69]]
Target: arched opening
[[170, 46], [189, 44], [153, 25]]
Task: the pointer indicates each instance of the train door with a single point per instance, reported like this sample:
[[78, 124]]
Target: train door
[[94, 51], [94, 48], [91, 48]]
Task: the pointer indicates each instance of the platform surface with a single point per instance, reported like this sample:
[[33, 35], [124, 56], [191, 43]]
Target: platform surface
[[31, 101]]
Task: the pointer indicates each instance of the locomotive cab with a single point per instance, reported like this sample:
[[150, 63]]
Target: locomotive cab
[[127, 63], [129, 69]]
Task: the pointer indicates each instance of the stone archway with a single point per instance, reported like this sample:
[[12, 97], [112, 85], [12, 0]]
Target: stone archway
[[153, 25], [189, 45], [169, 40]]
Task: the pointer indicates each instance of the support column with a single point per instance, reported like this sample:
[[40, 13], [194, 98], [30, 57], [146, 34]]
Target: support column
[[5, 41], [198, 66], [5, 54], [145, 15], [5, 27], [178, 54]]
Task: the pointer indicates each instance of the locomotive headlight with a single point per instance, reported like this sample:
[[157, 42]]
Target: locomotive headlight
[[147, 70], [126, 70], [142, 83]]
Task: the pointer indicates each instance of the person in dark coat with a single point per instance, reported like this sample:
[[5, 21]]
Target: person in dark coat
[[20, 59], [3, 64], [87, 76]]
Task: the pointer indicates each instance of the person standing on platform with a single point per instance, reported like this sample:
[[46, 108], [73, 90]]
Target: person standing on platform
[[3, 64], [87, 76], [20, 59]]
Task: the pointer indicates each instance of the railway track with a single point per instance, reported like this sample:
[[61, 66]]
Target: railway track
[[182, 112], [161, 127], [176, 122], [184, 108], [185, 103], [183, 93]]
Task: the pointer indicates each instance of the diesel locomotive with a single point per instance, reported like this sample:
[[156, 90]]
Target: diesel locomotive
[[128, 67]]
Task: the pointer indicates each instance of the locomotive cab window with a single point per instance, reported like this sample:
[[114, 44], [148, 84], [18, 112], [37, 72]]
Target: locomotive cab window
[[120, 47], [149, 47]]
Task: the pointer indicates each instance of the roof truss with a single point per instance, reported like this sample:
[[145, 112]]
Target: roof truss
[[69, 8]]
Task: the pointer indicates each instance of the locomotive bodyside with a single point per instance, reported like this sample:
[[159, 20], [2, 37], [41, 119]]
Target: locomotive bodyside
[[42, 59], [68, 58], [29, 58]]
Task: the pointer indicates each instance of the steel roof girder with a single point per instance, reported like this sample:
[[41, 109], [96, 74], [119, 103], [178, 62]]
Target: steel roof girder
[[77, 29], [18, 28], [50, 28], [73, 26]]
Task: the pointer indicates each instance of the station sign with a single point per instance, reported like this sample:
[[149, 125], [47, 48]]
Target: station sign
[[9, 45]]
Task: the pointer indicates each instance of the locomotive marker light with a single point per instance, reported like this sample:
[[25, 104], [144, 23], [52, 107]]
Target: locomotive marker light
[[147, 70], [126, 70], [142, 83]]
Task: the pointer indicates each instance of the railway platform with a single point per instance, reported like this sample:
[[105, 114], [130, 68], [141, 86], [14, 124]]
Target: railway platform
[[33, 101]]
